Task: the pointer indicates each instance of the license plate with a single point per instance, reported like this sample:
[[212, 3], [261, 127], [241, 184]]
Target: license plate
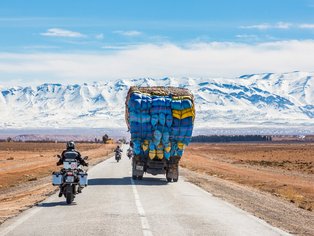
[[70, 165], [69, 179], [140, 167]]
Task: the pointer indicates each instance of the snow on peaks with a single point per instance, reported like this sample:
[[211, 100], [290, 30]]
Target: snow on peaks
[[250, 100]]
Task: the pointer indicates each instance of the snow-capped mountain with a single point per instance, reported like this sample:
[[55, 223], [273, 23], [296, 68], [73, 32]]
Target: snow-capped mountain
[[258, 100]]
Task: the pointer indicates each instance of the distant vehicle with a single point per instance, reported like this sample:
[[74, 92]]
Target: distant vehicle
[[118, 152], [118, 156], [160, 120], [71, 179], [130, 153]]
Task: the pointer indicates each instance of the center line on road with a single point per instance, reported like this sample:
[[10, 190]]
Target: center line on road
[[145, 226]]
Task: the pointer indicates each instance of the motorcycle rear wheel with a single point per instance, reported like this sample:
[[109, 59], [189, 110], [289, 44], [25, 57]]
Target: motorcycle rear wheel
[[69, 195]]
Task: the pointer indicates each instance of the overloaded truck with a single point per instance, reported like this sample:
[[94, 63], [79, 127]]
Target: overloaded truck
[[160, 120]]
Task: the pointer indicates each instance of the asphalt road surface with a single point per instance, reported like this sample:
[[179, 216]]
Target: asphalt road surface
[[114, 204]]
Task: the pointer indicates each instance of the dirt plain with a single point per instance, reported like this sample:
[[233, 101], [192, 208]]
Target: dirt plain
[[25, 172], [274, 181]]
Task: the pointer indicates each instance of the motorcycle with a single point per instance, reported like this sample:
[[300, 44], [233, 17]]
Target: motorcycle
[[130, 153], [118, 156], [71, 179]]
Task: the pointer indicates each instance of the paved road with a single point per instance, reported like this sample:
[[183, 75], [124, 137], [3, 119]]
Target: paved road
[[114, 204]]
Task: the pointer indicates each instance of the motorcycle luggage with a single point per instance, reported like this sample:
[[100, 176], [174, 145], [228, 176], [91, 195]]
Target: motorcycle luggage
[[56, 178], [83, 179]]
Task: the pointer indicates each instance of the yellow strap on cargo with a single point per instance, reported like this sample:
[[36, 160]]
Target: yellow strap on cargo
[[181, 97], [187, 113], [183, 114], [177, 116]]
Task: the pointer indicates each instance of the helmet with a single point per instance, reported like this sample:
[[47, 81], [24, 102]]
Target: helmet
[[70, 145], [118, 146]]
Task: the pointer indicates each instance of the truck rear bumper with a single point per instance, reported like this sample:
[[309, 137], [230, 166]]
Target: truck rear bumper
[[156, 167]]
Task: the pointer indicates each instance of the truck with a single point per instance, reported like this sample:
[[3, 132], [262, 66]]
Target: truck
[[160, 120]]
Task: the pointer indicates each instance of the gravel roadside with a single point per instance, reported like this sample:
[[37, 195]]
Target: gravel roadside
[[263, 205]]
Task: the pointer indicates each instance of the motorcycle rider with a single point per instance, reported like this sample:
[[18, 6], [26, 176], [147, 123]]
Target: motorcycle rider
[[118, 150], [130, 152], [71, 153]]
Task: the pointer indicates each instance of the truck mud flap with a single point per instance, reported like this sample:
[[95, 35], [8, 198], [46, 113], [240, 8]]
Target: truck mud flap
[[137, 169], [173, 173]]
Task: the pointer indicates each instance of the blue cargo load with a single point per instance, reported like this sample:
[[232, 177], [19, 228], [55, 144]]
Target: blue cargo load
[[160, 120]]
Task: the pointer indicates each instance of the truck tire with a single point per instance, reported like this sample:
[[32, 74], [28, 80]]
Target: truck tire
[[140, 177], [134, 177], [175, 179], [169, 179]]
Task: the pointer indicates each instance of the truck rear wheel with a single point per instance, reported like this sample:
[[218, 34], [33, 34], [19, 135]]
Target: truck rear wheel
[[134, 177], [176, 174], [172, 173], [140, 177]]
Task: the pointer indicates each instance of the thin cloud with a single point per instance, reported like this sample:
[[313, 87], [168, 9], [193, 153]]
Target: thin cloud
[[279, 25], [117, 47], [248, 37], [40, 47], [130, 33], [265, 26], [306, 26], [57, 32], [99, 36]]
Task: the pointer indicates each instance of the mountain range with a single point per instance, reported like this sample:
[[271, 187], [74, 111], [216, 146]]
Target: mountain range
[[249, 102]]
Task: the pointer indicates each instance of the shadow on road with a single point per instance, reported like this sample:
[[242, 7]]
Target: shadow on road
[[127, 181], [53, 204], [151, 181]]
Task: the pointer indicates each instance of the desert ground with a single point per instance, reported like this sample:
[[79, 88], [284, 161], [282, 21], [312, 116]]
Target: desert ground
[[274, 181], [25, 172]]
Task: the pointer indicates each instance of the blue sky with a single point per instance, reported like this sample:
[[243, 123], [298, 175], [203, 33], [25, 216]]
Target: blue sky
[[76, 40]]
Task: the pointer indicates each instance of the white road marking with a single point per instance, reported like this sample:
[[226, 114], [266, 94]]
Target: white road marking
[[145, 226], [19, 221]]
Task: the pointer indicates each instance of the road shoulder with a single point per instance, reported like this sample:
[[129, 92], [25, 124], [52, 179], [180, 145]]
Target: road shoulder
[[265, 206]]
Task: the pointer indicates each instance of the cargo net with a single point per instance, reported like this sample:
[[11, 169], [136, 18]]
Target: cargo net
[[160, 120]]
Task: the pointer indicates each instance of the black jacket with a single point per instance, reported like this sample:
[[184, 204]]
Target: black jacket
[[71, 154], [118, 150]]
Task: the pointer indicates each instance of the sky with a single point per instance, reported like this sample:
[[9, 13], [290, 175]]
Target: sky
[[78, 41]]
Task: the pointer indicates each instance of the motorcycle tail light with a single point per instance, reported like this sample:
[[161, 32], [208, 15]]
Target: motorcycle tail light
[[70, 173]]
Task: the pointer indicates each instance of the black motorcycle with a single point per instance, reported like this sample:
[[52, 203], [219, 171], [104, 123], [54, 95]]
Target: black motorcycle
[[130, 153], [71, 179], [118, 156]]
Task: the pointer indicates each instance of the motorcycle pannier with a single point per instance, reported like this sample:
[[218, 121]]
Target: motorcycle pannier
[[56, 178], [83, 179]]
